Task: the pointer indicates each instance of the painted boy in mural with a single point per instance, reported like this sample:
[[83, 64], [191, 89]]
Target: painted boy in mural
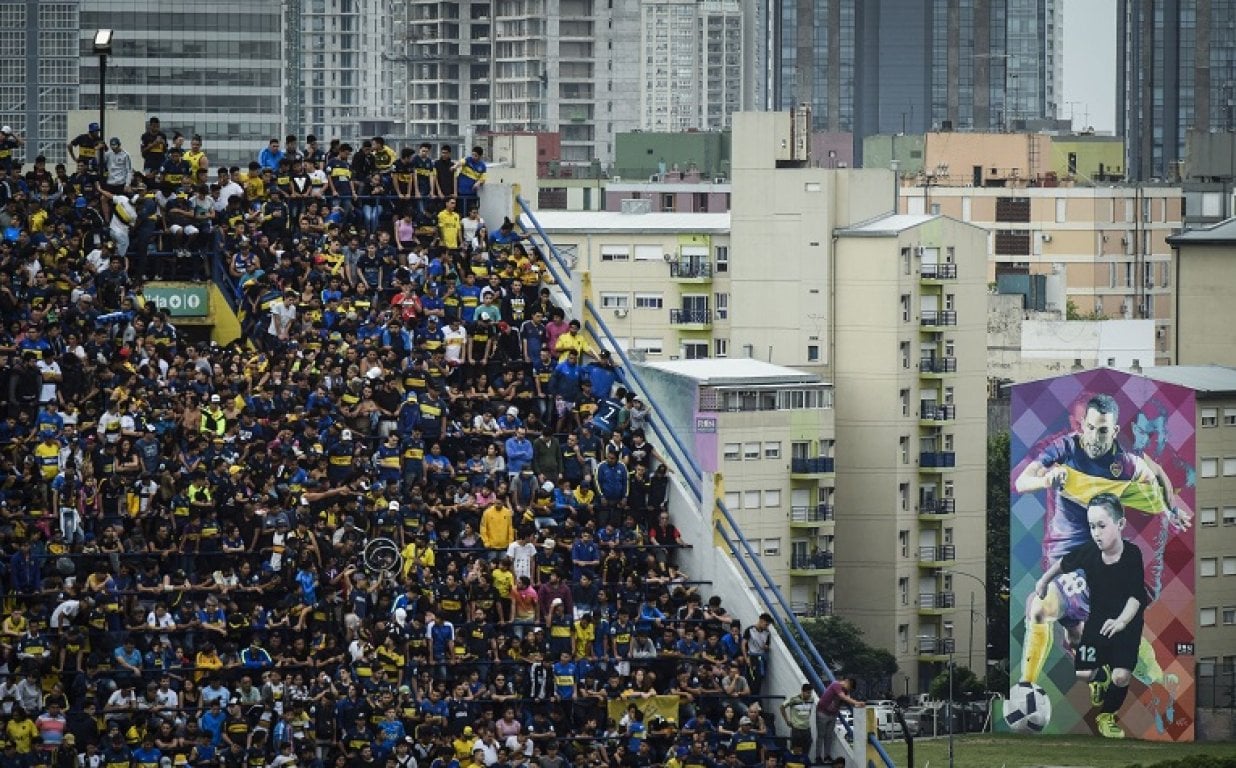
[[1073, 470]]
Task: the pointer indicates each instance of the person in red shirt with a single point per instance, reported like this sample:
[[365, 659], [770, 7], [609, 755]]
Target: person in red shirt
[[826, 709]]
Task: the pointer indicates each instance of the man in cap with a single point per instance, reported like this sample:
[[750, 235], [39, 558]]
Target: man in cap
[[9, 141], [85, 148], [118, 167]]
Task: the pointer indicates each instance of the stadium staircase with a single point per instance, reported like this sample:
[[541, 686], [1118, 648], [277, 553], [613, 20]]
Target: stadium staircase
[[721, 553]]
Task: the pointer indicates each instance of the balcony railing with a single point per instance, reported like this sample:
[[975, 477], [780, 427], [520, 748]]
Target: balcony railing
[[690, 317], [936, 317], [816, 562], [690, 269], [937, 507], [930, 410], [819, 609], [937, 459], [818, 465], [938, 272], [937, 554], [938, 365], [816, 513], [934, 600], [936, 646]]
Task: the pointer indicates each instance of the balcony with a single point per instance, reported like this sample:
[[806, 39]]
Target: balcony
[[802, 467], [691, 271], [818, 564], [937, 557], [818, 610], [936, 509], [936, 367], [936, 318], [931, 413], [934, 603], [691, 319], [936, 461], [936, 273], [810, 516], [935, 648]]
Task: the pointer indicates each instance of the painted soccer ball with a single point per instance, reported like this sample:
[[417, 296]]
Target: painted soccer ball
[[1027, 710]]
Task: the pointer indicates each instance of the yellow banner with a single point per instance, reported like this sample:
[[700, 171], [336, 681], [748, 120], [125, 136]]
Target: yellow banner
[[654, 706]]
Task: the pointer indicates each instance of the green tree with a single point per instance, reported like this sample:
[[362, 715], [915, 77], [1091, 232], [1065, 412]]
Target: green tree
[[840, 642], [998, 547], [966, 684]]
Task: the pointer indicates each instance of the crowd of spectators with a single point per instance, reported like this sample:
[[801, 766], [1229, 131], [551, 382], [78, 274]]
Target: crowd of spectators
[[197, 537]]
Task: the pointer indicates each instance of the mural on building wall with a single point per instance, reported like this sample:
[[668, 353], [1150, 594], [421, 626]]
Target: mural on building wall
[[1102, 572]]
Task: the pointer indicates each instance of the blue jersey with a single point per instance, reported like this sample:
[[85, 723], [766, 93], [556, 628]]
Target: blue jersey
[[1117, 472], [564, 680]]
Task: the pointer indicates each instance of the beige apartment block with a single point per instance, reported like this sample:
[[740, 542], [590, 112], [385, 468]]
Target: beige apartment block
[[1110, 242], [767, 432], [911, 375], [661, 281], [1205, 271]]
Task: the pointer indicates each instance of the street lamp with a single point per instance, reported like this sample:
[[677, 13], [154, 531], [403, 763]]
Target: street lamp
[[102, 49], [983, 584]]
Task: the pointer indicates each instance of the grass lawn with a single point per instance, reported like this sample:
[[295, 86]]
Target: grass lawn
[[987, 750]]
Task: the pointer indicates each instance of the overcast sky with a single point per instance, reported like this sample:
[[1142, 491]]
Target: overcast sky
[[1090, 64]]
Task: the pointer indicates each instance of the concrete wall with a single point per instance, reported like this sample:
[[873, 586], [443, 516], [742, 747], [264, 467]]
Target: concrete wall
[[879, 151], [639, 155], [1091, 151], [1203, 305], [1000, 155]]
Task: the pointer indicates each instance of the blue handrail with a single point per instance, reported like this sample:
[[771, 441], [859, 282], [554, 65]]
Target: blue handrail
[[785, 605], [523, 206]]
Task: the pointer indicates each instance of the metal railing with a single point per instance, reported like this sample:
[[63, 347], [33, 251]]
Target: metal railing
[[563, 265], [938, 272], [938, 554], [936, 645], [929, 410], [814, 562], [690, 316], [937, 506], [937, 365], [690, 269], [937, 459], [811, 513], [933, 600], [817, 610], [817, 465], [934, 317]]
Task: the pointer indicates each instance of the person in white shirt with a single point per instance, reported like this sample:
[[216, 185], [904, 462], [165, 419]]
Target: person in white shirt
[[523, 555], [67, 611], [49, 369], [454, 340], [228, 188], [282, 316], [124, 215]]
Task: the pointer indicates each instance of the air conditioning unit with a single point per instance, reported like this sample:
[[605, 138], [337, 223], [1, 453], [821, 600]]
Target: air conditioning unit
[[1046, 238], [1160, 332], [621, 312], [668, 257], [719, 180], [654, 178], [615, 179]]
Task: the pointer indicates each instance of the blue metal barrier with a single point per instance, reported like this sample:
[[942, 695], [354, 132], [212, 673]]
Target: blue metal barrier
[[562, 263]]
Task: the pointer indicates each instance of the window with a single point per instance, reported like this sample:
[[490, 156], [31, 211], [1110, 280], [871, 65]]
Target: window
[[904, 348], [903, 541], [1229, 466], [1209, 566], [905, 449], [1208, 517], [1210, 417], [1210, 467], [615, 301], [723, 306], [903, 493], [903, 589], [755, 547], [813, 353], [722, 253], [750, 499], [1229, 417], [1229, 616], [1062, 206], [751, 451], [1229, 515], [1229, 566], [772, 450], [903, 636], [732, 452], [905, 402], [648, 346], [905, 308], [772, 547], [905, 261], [615, 252], [694, 350], [733, 500], [649, 253], [720, 347], [1206, 617], [772, 499], [649, 301]]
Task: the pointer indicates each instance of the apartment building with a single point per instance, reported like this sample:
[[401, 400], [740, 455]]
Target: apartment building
[[1204, 271], [910, 376], [1110, 242], [767, 432], [684, 41]]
